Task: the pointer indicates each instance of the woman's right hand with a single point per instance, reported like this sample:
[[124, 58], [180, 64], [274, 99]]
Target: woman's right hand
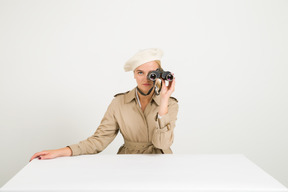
[[51, 154]]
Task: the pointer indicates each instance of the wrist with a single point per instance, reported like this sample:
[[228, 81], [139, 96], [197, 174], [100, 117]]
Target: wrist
[[163, 108], [164, 97], [164, 101], [161, 114], [66, 151]]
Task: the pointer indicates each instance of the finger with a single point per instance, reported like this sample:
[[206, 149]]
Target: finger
[[43, 157], [34, 156], [31, 158], [47, 156], [38, 155], [172, 85]]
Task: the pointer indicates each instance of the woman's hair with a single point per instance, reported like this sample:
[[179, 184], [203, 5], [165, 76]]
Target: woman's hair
[[158, 62], [158, 81]]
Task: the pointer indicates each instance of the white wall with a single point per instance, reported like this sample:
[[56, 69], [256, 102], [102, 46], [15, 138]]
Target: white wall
[[61, 62]]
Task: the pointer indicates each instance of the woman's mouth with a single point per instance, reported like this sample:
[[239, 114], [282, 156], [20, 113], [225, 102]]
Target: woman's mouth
[[146, 84]]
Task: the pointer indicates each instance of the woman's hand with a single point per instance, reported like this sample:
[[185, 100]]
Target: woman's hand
[[166, 92], [51, 154]]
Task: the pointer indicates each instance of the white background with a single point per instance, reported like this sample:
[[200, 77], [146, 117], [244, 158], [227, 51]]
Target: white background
[[61, 62]]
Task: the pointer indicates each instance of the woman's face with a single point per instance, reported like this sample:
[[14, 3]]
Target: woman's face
[[140, 74]]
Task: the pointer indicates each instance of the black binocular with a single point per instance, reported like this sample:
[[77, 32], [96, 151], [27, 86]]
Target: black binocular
[[160, 73]]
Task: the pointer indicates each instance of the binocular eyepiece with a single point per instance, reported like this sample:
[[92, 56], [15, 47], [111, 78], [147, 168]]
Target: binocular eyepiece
[[160, 73]]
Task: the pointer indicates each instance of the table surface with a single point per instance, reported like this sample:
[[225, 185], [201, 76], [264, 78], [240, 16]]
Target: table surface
[[101, 172]]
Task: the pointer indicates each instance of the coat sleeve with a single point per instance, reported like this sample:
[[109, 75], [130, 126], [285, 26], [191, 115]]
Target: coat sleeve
[[163, 134], [103, 136]]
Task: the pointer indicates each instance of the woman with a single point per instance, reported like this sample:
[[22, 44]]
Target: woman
[[145, 119]]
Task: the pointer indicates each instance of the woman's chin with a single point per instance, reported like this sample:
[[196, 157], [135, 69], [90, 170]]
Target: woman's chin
[[144, 89]]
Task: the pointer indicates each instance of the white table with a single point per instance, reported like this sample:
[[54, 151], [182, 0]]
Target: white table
[[201, 173]]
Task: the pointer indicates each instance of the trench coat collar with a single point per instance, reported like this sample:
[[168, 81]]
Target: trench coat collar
[[131, 95], [156, 99]]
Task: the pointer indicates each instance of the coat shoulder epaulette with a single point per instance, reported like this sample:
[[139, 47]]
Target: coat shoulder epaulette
[[121, 94], [174, 99]]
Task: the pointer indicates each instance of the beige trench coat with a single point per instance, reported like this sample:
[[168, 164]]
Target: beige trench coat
[[143, 132]]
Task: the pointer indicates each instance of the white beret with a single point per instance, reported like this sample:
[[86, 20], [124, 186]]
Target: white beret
[[142, 57]]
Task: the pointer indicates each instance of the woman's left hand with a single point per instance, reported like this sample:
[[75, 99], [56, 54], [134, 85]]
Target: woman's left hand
[[167, 91]]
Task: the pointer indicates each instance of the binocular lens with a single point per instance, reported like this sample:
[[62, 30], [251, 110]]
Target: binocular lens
[[166, 75], [152, 77], [169, 77]]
